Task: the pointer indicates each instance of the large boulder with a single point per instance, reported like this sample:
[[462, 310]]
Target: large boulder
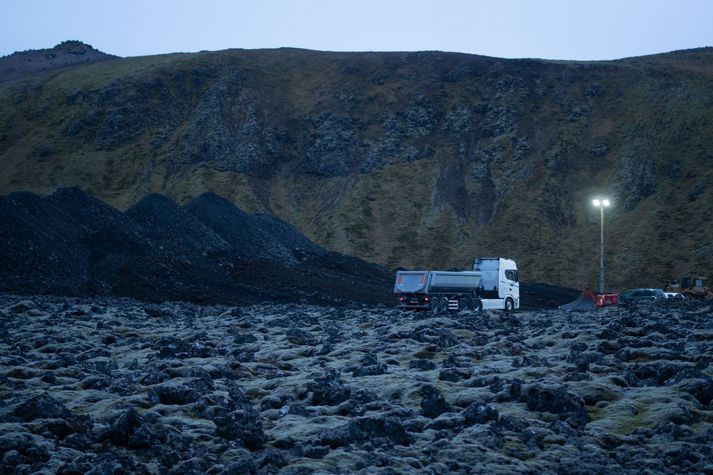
[[129, 429], [378, 430], [701, 389], [52, 415], [556, 400], [432, 402], [480, 413], [240, 423], [328, 390], [23, 449], [369, 365]]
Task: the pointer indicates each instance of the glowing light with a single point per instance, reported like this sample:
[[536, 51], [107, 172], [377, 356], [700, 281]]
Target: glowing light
[[605, 202], [596, 202]]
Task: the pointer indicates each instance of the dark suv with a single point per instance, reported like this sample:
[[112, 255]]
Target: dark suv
[[641, 295]]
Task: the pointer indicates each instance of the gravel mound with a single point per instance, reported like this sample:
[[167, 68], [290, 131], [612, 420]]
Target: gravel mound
[[242, 231], [40, 251], [209, 251], [172, 230]]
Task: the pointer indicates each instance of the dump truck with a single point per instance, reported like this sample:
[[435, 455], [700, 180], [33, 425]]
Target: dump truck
[[493, 283]]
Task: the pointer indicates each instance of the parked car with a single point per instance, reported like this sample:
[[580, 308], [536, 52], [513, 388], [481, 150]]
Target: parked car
[[675, 295], [641, 295]]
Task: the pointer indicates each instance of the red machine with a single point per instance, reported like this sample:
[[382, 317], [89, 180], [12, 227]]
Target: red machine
[[605, 300]]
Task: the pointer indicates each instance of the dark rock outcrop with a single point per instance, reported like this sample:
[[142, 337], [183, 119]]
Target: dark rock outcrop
[[52, 415], [480, 413], [433, 403], [557, 400], [328, 390], [375, 430], [22, 64], [242, 424]]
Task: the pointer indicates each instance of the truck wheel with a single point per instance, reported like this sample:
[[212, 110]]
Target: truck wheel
[[477, 305], [435, 305], [444, 305], [509, 304]]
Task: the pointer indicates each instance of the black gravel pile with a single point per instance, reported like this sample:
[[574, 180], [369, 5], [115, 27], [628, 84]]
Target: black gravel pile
[[288, 234], [240, 230], [40, 250], [172, 230], [86, 215], [534, 296], [70, 243]]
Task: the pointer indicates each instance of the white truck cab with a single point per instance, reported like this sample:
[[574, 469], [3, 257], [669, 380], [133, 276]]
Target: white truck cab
[[499, 282]]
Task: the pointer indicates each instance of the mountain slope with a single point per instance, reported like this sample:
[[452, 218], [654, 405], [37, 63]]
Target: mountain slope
[[406, 159]]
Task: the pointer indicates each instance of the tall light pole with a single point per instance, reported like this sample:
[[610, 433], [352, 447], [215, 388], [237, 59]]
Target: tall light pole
[[601, 203]]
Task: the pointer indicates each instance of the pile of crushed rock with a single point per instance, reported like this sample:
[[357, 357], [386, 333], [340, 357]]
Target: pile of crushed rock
[[207, 251]]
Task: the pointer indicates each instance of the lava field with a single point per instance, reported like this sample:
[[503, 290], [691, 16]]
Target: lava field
[[108, 386]]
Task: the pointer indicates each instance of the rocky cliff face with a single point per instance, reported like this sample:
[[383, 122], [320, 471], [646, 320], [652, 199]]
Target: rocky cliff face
[[406, 159]]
